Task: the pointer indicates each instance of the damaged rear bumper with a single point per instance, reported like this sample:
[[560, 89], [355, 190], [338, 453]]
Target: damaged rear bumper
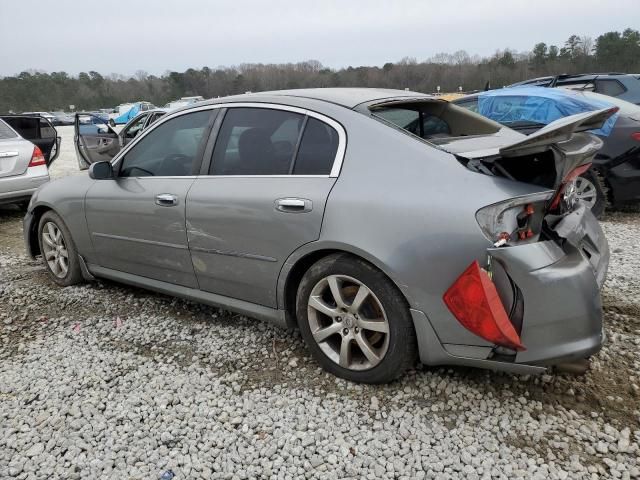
[[560, 286]]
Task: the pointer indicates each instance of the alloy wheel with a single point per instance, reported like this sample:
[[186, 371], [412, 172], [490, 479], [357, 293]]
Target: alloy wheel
[[586, 192], [55, 250], [348, 322]]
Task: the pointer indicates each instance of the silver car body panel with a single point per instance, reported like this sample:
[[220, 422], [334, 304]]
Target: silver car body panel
[[18, 181], [404, 206]]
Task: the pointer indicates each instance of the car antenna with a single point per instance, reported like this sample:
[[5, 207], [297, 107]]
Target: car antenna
[[487, 86]]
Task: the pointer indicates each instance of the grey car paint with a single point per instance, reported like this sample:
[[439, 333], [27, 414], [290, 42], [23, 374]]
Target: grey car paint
[[404, 206]]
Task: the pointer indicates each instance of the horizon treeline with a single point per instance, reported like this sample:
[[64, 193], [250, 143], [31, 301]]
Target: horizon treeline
[[609, 52]]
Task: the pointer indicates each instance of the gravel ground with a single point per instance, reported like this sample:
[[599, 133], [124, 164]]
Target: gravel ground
[[105, 381]]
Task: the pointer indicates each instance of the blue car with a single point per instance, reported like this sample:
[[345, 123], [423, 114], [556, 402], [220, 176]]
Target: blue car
[[128, 111]]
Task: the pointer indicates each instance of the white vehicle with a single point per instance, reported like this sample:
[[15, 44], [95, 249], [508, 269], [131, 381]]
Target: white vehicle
[[28, 145], [183, 102]]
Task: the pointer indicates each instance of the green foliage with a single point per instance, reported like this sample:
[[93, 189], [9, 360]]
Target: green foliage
[[33, 90]]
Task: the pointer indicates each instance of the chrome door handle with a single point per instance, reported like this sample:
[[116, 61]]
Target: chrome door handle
[[294, 205], [166, 200]]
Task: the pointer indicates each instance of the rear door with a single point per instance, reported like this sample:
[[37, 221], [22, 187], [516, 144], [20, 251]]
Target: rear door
[[39, 131], [260, 197], [94, 139]]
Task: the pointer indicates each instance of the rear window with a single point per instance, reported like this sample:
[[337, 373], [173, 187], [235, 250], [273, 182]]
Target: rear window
[[6, 132], [436, 121], [27, 127]]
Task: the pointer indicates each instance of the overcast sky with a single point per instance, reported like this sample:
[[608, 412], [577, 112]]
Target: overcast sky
[[160, 35]]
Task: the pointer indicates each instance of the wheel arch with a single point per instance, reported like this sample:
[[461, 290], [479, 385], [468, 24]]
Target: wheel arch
[[32, 234], [302, 259]]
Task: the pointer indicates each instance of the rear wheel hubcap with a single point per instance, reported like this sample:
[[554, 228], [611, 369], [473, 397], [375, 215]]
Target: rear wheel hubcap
[[348, 322], [586, 192], [54, 250]]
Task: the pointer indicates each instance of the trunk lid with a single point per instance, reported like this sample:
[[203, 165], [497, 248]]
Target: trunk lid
[[551, 157]]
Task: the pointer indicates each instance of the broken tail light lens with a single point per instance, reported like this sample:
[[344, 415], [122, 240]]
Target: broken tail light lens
[[37, 158], [515, 220], [474, 301]]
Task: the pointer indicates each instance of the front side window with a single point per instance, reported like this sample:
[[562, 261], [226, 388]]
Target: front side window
[[256, 141], [135, 127], [168, 150]]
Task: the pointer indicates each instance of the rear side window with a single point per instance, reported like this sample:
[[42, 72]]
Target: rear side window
[[318, 149], [256, 141], [27, 127], [613, 88], [6, 132], [168, 150], [262, 141]]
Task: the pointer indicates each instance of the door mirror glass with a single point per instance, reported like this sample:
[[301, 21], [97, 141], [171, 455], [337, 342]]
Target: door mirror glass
[[101, 171]]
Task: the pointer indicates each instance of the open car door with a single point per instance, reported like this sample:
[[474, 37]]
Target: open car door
[[94, 139], [39, 131]]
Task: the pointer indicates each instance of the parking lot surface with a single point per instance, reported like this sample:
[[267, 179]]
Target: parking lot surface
[[107, 381]]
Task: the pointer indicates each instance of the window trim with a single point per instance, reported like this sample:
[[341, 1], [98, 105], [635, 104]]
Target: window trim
[[213, 133]]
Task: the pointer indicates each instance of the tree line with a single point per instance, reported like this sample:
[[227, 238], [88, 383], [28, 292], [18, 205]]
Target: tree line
[[611, 51]]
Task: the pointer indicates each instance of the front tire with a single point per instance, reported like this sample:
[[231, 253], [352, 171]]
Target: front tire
[[59, 253], [354, 320]]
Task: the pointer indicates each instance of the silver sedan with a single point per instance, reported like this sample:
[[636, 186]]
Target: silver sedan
[[386, 225]]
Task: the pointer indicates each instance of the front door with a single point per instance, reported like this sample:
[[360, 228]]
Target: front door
[[263, 196], [137, 220], [95, 141]]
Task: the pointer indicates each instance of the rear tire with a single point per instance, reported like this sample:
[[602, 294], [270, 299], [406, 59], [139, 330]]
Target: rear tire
[[592, 192], [354, 320], [59, 253]]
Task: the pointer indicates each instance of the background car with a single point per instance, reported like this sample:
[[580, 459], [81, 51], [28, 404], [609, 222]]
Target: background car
[[620, 85], [62, 118], [319, 209], [99, 141], [183, 102], [49, 116], [24, 163], [128, 111], [614, 178]]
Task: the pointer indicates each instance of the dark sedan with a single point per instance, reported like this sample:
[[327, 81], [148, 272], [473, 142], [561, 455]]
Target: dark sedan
[[614, 178]]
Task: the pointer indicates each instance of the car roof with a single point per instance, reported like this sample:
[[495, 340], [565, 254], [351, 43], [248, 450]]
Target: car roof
[[346, 97]]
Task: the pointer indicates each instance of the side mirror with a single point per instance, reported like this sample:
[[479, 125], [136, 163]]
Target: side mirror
[[101, 171]]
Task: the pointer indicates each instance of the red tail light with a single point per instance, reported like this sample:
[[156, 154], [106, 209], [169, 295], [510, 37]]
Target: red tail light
[[636, 136], [37, 158], [474, 301]]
